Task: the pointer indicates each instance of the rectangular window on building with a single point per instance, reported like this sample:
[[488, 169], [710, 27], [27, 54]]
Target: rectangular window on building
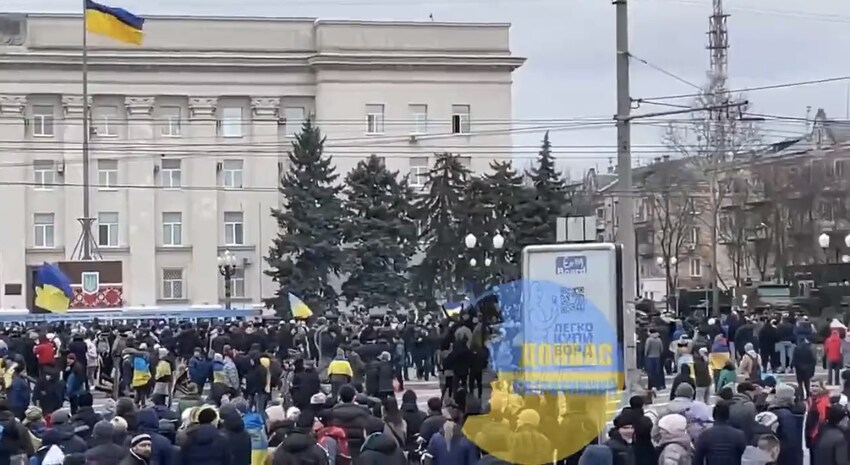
[[374, 119], [418, 119], [107, 229], [294, 120], [44, 230], [170, 120], [172, 228], [234, 228], [231, 122], [44, 174], [107, 174], [106, 121], [695, 267], [231, 174], [43, 121], [418, 171], [237, 283], [695, 233], [171, 173], [460, 119], [173, 287]]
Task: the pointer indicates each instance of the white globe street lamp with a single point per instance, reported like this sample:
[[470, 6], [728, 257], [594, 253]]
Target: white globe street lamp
[[673, 260], [823, 241], [845, 258], [499, 241], [227, 268], [487, 261], [473, 262], [470, 240], [847, 240], [660, 261]]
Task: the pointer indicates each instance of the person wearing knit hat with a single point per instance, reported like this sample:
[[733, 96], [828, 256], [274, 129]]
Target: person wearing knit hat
[[675, 443], [140, 450], [102, 448], [528, 418]]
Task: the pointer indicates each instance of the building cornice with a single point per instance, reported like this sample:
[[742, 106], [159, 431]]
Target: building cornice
[[258, 62]]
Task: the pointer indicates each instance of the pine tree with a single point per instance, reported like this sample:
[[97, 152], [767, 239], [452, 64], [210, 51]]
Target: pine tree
[[544, 202], [307, 250], [438, 275], [381, 237], [505, 196]]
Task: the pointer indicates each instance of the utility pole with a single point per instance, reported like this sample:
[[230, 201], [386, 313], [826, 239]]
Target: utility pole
[[718, 47], [625, 203]]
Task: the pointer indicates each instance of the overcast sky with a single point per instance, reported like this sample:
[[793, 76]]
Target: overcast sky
[[570, 49]]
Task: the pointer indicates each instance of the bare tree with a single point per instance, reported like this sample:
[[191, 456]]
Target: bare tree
[[669, 196], [734, 228], [714, 135]]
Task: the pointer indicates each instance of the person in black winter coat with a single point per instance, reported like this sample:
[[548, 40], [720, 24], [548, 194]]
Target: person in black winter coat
[[85, 418], [721, 444], [162, 452], [831, 448], [16, 439], [413, 417], [102, 448], [238, 439], [305, 384], [642, 445], [204, 444], [790, 417], [621, 438], [434, 419], [684, 376], [350, 417], [379, 448], [299, 447], [804, 364], [385, 375], [49, 392], [62, 434]]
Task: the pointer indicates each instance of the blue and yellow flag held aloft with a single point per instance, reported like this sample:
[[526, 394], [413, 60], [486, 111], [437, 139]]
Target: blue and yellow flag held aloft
[[299, 309], [115, 23], [53, 289]]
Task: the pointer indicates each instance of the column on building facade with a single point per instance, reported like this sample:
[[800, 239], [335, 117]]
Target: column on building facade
[[142, 221], [205, 219], [72, 137], [264, 176], [15, 230]]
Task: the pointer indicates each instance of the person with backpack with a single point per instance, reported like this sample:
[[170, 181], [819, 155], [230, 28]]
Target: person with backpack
[[675, 446], [751, 364], [299, 447], [334, 441]]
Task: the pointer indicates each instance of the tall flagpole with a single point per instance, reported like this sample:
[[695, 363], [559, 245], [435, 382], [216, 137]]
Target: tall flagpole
[[86, 239]]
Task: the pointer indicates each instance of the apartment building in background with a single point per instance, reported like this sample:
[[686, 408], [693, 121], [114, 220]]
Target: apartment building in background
[[189, 133]]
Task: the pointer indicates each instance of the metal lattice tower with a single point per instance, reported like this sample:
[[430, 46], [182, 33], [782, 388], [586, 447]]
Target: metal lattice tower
[[718, 48]]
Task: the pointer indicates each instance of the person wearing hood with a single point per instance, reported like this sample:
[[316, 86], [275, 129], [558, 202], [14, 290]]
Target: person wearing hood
[[102, 447], [727, 375], [450, 446], [412, 416], [305, 384], [162, 451], [742, 409], [34, 422], [620, 439], [299, 447], [219, 387], [645, 453], [380, 448], [231, 374], [62, 434], [834, 357], [683, 377], [384, 374], [675, 443], [751, 364], [339, 372], [203, 443], [234, 431], [49, 391], [200, 369], [141, 373]]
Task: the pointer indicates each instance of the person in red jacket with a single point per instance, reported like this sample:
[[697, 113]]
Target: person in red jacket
[[45, 352], [834, 357]]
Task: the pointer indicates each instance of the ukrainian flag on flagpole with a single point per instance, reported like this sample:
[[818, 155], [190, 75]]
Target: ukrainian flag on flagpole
[[115, 23], [299, 309], [52, 289]]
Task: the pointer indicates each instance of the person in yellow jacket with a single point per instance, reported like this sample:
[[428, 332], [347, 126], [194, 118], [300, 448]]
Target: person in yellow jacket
[[339, 372]]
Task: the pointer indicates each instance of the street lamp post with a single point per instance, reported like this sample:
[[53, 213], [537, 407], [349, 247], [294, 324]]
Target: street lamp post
[[227, 268], [471, 241], [668, 277]]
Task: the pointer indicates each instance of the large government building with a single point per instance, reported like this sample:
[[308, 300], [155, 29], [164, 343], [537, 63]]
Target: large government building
[[189, 135]]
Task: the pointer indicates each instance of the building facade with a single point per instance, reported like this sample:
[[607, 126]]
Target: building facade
[[189, 134]]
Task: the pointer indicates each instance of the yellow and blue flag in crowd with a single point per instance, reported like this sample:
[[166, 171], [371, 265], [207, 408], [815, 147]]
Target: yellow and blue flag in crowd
[[53, 289], [115, 23], [299, 309]]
